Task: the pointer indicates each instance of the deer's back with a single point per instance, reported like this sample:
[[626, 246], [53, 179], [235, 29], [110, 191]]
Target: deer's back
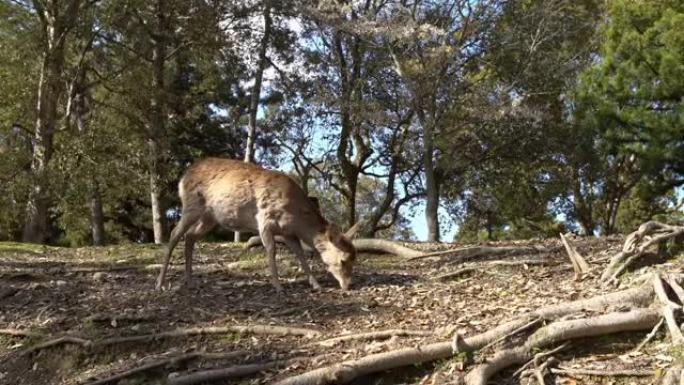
[[237, 193]]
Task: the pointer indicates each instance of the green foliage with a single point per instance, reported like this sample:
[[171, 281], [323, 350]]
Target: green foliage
[[634, 94]]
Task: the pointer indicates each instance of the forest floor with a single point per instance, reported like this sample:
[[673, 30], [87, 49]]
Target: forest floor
[[96, 293]]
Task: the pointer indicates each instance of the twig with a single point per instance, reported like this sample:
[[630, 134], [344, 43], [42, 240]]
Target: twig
[[649, 336], [543, 354], [540, 369]]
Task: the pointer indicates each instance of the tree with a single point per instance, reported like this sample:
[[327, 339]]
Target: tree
[[434, 48], [633, 100], [57, 19]]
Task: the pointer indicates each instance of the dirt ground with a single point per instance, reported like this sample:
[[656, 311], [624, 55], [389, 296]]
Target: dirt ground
[[96, 293]]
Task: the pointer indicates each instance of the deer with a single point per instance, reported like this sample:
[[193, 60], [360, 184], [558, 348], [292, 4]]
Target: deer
[[245, 197]]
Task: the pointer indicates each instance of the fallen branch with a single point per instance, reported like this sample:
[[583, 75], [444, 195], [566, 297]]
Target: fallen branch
[[377, 335], [58, 341], [231, 372], [579, 264], [19, 333], [349, 370], [639, 319], [603, 372], [166, 363], [252, 329], [636, 243], [462, 254]]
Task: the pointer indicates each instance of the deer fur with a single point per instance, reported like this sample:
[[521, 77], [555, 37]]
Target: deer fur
[[244, 197]]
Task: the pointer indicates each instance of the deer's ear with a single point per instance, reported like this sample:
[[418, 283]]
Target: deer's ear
[[352, 230]]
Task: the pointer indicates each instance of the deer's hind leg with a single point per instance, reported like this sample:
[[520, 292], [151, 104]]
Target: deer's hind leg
[[268, 228], [199, 229], [189, 217]]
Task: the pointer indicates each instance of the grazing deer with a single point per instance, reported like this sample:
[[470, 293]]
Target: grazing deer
[[244, 197]]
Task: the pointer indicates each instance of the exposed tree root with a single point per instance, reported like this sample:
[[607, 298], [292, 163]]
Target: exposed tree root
[[673, 376], [377, 335], [253, 329], [639, 319], [636, 243], [396, 248], [668, 310], [579, 264], [361, 244], [349, 370], [385, 246], [166, 363]]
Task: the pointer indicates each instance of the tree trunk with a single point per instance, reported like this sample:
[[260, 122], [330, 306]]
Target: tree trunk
[[156, 191], [96, 215], [157, 126], [428, 126], [78, 109], [49, 91], [256, 93], [431, 183], [349, 133], [256, 90]]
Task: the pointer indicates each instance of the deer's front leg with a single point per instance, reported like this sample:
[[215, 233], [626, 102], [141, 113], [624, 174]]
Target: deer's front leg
[[267, 234], [296, 247]]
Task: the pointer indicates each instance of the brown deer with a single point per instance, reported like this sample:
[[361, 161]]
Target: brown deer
[[244, 197]]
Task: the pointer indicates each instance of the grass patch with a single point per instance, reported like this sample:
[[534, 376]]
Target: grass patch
[[26, 248]]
